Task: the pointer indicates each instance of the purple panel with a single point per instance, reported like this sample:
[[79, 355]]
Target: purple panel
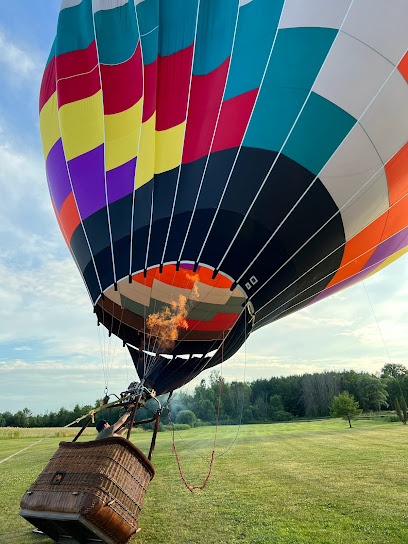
[[88, 181], [188, 266], [121, 180], [382, 252], [57, 175], [388, 247]]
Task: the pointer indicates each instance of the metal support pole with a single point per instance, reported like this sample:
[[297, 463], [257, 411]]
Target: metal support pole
[[132, 417], [156, 428], [83, 428]]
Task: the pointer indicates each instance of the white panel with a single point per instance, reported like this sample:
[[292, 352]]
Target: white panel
[[167, 293], [211, 295], [381, 24], [100, 5], [371, 202], [244, 2], [386, 120], [355, 164], [69, 4], [135, 291], [352, 75], [314, 13]]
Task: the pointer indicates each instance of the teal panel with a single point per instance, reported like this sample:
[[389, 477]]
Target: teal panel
[[75, 28], [319, 131], [117, 33], [273, 117], [215, 32], [148, 19], [52, 52], [295, 63], [177, 22], [298, 56], [256, 29]]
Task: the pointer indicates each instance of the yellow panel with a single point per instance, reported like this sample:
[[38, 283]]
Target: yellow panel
[[82, 125], [49, 125], [390, 260], [145, 160], [122, 136], [169, 144]]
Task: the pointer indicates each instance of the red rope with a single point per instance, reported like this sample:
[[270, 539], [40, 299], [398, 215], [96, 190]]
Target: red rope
[[194, 487]]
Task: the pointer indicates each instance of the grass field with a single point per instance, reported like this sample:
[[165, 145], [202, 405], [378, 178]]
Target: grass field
[[287, 483]]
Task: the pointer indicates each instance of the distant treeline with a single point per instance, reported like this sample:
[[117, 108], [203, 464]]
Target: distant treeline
[[259, 401], [285, 398]]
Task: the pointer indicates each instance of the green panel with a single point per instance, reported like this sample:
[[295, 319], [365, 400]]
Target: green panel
[[319, 131]]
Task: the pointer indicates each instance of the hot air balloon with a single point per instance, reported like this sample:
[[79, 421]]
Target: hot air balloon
[[216, 166], [247, 156]]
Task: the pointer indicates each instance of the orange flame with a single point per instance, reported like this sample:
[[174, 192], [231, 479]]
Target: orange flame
[[193, 278], [164, 325]]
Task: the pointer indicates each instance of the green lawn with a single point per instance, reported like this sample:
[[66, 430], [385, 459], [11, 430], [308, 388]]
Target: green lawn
[[313, 482]]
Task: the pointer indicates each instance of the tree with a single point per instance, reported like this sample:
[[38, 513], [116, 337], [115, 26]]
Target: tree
[[395, 370], [401, 409], [344, 406]]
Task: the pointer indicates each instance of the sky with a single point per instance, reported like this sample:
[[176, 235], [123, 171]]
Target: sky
[[52, 354]]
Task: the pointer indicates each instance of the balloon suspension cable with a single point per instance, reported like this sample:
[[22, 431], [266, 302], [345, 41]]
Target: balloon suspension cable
[[380, 331], [195, 487]]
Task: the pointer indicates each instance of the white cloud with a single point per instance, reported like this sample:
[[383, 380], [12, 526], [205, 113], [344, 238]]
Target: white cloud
[[20, 64]]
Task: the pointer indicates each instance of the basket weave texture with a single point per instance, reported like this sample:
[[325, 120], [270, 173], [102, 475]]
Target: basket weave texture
[[105, 481]]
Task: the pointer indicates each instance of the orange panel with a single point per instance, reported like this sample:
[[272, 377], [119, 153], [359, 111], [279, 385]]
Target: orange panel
[[148, 281], [359, 249], [403, 66], [397, 174], [220, 281], [184, 278], [397, 218], [69, 216]]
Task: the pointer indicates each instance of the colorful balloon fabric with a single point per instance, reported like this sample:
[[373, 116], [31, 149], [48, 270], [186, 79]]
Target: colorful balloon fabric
[[229, 161]]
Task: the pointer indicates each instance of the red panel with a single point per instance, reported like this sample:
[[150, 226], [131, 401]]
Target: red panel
[[173, 80], [122, 84], [149, 94], [205, 100], [397, 175], [403, 66], [77, 62], [76, 88], [48, 84], [59, 222], [69, 216], [235, 114], [219, 323]]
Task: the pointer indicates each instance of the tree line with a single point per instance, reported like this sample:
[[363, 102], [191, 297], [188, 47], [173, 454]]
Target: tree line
[[284, 398], [260, 401]]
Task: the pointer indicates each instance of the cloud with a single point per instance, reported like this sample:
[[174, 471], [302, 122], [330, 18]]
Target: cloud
[[23, 348], [19, 63]]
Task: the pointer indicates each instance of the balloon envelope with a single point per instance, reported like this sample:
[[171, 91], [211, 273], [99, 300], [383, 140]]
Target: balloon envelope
[[203, 157]]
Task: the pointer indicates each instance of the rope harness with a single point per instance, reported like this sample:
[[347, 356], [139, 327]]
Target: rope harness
[[194, 487]]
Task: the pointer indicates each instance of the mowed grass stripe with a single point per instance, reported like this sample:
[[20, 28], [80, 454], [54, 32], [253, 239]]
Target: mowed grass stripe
[[289, 483]]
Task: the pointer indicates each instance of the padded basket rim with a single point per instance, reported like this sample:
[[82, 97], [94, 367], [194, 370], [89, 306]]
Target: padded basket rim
[[94, 444]]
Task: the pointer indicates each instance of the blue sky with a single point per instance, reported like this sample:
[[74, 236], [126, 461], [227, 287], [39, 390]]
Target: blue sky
[[52, 354]]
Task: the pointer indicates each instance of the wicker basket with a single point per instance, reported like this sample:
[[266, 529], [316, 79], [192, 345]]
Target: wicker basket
[[90, 491]]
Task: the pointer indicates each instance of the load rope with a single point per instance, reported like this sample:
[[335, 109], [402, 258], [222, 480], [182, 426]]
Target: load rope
[[202, 486]]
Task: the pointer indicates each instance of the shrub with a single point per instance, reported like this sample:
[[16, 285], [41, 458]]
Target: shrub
[[186, 416]]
